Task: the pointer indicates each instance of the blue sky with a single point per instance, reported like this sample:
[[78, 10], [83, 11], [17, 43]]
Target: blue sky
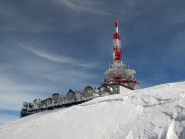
[[53, 46]]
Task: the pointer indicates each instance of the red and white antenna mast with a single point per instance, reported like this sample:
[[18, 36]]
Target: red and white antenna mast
[[118, 73], [117, 51]]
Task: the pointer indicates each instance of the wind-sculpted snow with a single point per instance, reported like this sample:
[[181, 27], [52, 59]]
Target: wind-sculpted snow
[[153, 113]]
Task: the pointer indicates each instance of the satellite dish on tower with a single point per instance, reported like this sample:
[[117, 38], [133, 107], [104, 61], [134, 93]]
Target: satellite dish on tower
[[109, 89]]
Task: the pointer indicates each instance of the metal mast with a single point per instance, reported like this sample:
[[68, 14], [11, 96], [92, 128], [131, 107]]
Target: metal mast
[[119, 73], [117, 51]]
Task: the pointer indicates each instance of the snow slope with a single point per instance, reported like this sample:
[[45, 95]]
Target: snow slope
[[152, 113]]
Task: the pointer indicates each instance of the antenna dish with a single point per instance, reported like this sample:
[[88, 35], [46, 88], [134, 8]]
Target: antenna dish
[[109, 90], [25, 104], [88, 91], [70, 95]]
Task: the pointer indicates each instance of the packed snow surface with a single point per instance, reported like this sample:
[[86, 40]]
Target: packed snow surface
[[152, 113]]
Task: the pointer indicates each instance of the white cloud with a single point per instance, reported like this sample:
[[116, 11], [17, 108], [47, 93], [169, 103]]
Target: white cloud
[[88, 5], [59, 59], [13, 94]]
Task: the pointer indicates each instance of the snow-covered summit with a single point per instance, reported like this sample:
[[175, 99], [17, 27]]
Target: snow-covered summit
[[153, 113]]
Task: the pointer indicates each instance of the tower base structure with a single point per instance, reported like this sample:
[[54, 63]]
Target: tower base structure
[[115, 88]]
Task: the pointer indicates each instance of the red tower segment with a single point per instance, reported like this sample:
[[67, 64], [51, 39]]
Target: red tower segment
[[116, 35], [118, 54], [116, 24], [117, 45]]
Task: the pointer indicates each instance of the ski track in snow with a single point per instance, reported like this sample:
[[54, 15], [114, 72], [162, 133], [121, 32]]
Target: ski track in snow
[[153, 113]]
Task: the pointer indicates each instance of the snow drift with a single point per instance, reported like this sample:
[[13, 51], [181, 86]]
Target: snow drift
[[152, 113]]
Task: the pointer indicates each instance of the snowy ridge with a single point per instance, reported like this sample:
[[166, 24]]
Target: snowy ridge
[[153, 113]]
